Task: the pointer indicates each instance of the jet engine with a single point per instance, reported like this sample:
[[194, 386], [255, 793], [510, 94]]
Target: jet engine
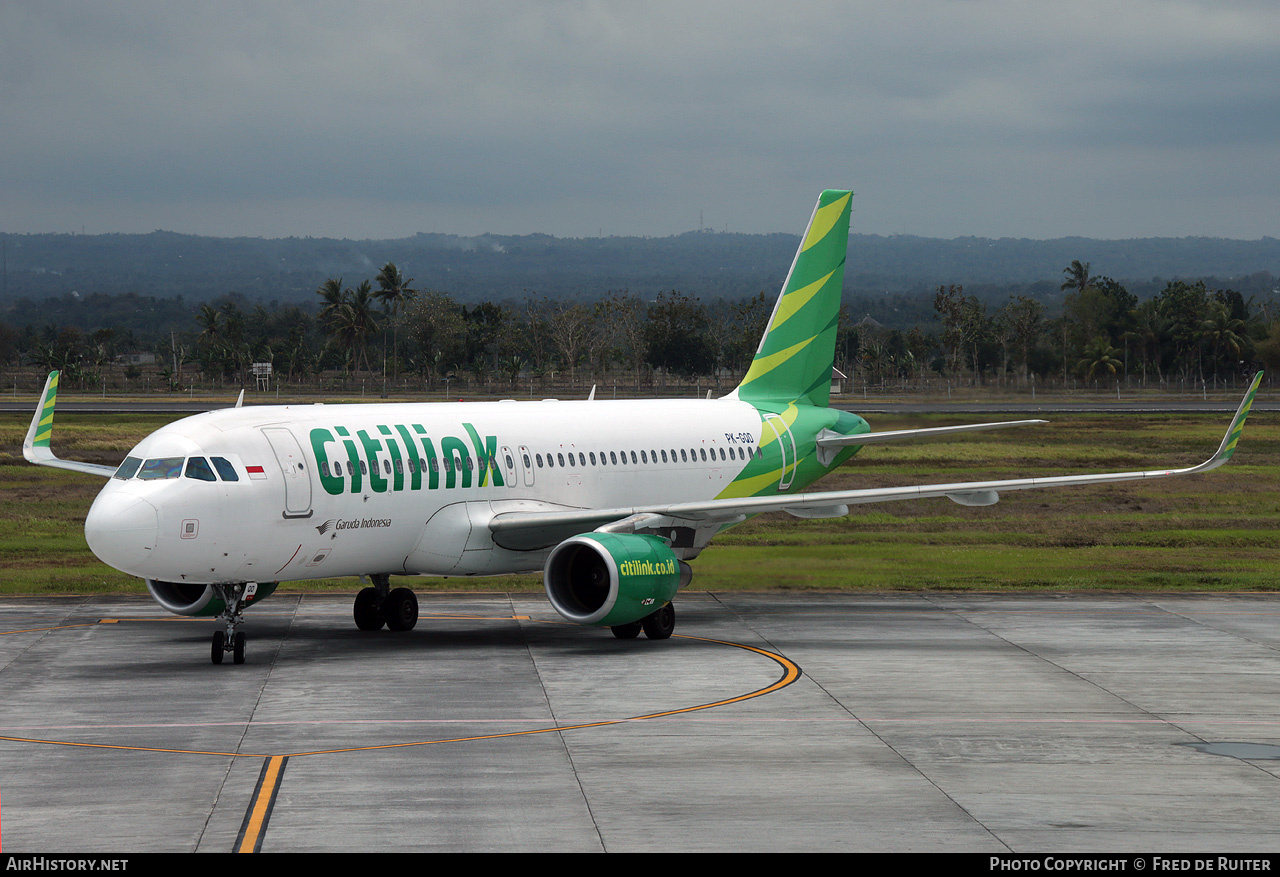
[[185, 598], [610, 579]]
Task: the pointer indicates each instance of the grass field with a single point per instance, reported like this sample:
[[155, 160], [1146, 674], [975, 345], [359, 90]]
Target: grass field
[[1213, 532]]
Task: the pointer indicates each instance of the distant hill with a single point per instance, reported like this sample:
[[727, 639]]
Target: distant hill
[[504, 267]]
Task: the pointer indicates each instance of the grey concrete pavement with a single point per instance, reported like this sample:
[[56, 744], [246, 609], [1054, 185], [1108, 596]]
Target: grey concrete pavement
[[920, 722]]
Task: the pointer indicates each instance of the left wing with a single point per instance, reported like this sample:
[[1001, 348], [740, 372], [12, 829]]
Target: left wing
[[36, 445], [524, 530]]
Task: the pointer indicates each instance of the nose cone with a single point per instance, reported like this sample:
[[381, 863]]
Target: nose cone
[[121, 529]]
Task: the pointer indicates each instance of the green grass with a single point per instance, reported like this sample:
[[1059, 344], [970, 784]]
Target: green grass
[[1215, 532]]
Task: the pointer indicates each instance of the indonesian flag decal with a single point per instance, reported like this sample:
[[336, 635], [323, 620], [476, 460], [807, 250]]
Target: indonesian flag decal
[[256, 472]]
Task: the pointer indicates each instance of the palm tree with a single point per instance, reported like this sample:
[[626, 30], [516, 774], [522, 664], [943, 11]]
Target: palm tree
[[1077, 277], [347, 317], [1223, 331], [211, 336], [393, 290], [1100, 356], [331, 292], [357, 322], [1151, 331]]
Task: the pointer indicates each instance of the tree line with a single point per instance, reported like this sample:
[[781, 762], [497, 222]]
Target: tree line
[[385, 331], [1186, 333]]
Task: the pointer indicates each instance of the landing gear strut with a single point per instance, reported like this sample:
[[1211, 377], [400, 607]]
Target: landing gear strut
[[229, 639], [379, 605]]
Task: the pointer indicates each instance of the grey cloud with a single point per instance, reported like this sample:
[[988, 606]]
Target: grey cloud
[[950, 118]]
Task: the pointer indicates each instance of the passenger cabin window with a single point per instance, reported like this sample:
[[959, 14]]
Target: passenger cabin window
[[199, 469], [128, 468]]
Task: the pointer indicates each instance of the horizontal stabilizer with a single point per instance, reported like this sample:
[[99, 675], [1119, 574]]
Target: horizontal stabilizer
[[830, 443], [828, 439]]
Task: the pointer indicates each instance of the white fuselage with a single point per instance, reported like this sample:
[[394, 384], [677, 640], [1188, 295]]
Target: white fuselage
[[340, 490]]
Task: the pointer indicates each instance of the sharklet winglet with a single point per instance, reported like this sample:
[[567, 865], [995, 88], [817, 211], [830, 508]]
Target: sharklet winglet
[[36, 446]]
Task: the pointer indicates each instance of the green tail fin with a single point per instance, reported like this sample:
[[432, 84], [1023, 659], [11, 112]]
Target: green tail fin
[[793, 362]]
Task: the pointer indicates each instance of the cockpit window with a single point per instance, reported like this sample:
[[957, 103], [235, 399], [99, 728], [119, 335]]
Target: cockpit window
[[225, 469], [198, 468], [161, 467], [128, 468]]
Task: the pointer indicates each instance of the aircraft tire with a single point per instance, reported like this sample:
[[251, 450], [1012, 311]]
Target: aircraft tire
[[367, 612], [216, 651], [627, 631], [400, 609], [660, 624], [237, 648]]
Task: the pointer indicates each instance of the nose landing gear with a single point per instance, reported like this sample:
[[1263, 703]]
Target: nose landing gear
[[232, 614]]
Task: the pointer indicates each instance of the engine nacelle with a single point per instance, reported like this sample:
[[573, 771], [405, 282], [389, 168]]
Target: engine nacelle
[[608, 579], [184, 598]]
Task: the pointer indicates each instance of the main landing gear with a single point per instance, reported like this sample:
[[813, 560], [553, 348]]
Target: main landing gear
[[229, 639], [657, 625], [380, 604]]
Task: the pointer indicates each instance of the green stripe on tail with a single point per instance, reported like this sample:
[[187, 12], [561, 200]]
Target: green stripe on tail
[[44, 429], [793, 362]]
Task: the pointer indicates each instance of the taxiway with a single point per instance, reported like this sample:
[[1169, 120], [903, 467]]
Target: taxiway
[[796, 722]]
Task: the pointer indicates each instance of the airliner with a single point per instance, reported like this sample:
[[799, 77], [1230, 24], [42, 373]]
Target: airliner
[[610, 500]]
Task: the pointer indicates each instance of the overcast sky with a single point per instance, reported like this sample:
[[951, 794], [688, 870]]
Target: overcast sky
[[998, 118]]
